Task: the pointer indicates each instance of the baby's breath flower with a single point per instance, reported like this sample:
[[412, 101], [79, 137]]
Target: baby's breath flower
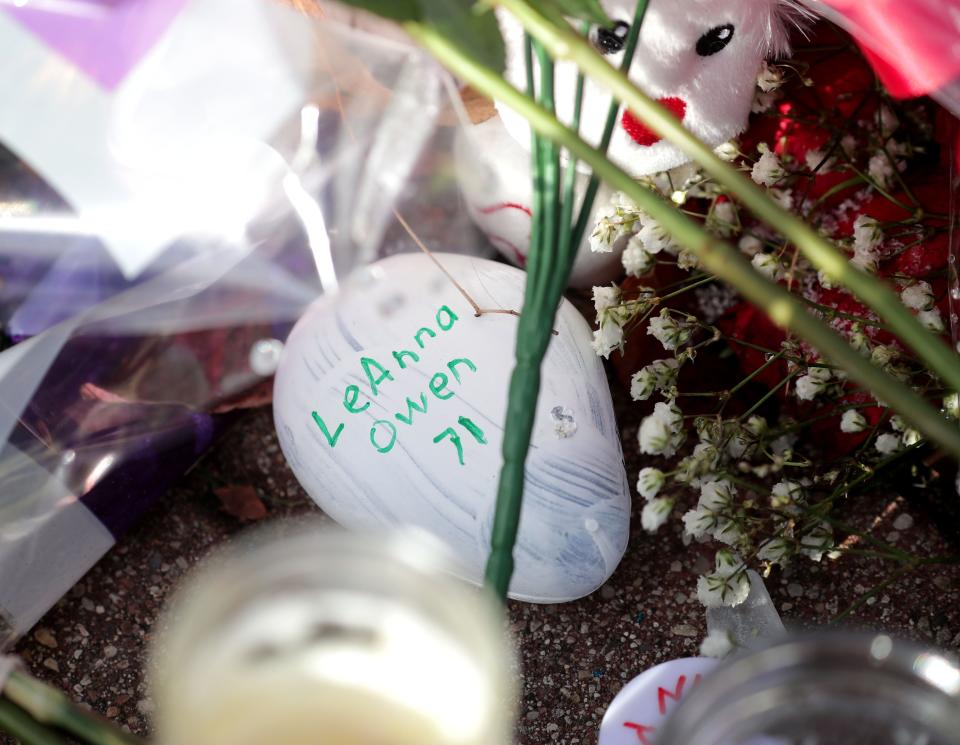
[[775, 550], [852, 421], [701, 462], [728, 151], [653, 237], [750, 245], [887, 444], [605, 298], [655, 513], [767, 170], [880, 170], [785, 495], [849, 144], [716, 495], [660, 375], [931, 319], [812, 384], [816, 160], [727, 585], [882, 355], [910, 437], [637, 261], [746, 438], [717, 643], [770, 78], [668, 331], [951, 405], [698, 521], [607, 338], [783, 197], [763, 102], [662, 433], [766, 264], [817, 541], [898, 423], [687, 260], [918, 296], [859, 340], [607, 230], [867, 234], [867, 237], [888, 121], [649, 482], [723, 218]]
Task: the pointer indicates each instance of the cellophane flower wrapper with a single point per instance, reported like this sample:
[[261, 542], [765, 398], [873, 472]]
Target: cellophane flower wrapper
[[179, 179]]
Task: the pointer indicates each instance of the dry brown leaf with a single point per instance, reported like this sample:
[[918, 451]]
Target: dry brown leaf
[[241, 502]]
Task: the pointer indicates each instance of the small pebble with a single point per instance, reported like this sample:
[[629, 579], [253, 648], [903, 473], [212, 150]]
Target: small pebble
[[684, 629], [903, 522], [145, 706], [109, 651], [51, 664], [795, 590], [46, 638], [676, 567]]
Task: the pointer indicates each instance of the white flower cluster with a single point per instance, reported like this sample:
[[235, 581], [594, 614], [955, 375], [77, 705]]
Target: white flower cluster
[[662, 432], [660, 375], [813, 383], [614, 221], [714, 513], [717, 643], [768, 169], [770, 78], [669, 331], [727, 585], [867, 237]]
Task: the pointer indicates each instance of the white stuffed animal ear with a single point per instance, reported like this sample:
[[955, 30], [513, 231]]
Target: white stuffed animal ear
[[699, 58]]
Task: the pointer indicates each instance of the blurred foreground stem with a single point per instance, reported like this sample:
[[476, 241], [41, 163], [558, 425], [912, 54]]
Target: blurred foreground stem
[[50, 707], [716, 255]]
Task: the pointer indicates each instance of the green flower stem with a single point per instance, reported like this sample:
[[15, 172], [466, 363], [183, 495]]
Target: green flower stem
[[52, 708], [15, 722], [565, 44], [716, 255], [633, 36], [548, 268]]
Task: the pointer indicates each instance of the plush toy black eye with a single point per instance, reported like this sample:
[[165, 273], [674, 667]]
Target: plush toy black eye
[[715, 40], [611, 40]]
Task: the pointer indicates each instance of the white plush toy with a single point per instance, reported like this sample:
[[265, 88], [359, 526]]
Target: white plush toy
[[699, 58]]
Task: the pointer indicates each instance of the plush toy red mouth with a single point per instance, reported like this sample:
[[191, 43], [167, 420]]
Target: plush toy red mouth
[[641, 133]]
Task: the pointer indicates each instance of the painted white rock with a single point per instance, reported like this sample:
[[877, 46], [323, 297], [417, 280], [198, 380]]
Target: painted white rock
[[390, 401]]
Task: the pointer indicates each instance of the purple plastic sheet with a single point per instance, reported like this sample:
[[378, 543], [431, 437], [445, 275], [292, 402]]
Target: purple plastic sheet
[[106, 39]]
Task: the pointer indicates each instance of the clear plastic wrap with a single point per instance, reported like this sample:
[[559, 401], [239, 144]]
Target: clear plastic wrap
[[178, 181]]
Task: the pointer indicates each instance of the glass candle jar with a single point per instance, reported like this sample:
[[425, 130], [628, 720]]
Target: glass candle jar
[[832, 689], [324, 637]]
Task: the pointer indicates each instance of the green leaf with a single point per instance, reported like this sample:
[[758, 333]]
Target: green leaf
[[475, 31], [585, 10], [395, 10]]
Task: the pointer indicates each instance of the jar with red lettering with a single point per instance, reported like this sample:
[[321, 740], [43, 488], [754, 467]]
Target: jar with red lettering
[[832, 689]]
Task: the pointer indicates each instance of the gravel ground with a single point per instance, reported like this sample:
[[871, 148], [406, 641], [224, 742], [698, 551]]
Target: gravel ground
[[575, 656]]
